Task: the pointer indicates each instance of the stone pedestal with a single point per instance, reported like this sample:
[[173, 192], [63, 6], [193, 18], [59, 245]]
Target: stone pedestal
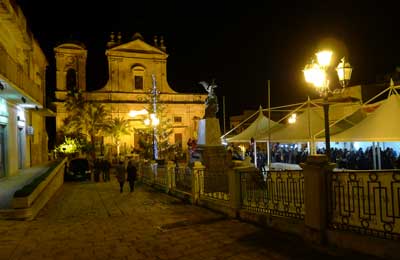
[[208, 132], [212, 152], [212, 155]]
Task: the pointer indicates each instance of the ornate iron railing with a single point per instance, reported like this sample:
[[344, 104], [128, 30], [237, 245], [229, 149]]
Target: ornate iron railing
[[366, 202], [279, 193], [147, 174], [160, 175], [214, 184], [183, 179]]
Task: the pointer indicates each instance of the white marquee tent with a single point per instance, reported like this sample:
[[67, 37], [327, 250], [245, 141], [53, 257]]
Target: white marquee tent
[[382, 125], [260, 125], [309, 122]]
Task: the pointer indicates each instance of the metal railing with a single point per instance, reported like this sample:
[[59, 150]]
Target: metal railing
[[279, 193], [366, 202], [147, 174], [183, 179], [214, 184], [160, 175]]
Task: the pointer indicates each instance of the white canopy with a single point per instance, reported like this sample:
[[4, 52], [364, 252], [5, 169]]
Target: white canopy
[[260, 125], [381, 125], [308, 123]]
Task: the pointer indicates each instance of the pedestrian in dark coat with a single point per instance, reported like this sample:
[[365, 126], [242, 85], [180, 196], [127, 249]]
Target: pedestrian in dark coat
[[121, 175], [106, 170], [132, 172]]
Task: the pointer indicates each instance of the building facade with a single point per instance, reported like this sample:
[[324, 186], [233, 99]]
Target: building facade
[[22, 94], [131, 69]]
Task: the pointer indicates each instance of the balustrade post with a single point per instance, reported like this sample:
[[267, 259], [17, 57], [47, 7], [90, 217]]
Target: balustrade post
[[317, 168], [154, 166], [140, 171], [235, 189], [170, 174], [198, 173]]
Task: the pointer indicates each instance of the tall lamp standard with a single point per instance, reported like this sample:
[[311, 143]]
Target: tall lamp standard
[[316, 74], [153, 121]]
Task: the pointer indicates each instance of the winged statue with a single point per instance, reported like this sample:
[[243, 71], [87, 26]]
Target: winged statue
[[211, 101]]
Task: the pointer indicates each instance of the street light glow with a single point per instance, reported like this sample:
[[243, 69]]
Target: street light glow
[[324, 58], [344, 70], [315, 74], [134, 113], [292, 119], [156, 121]]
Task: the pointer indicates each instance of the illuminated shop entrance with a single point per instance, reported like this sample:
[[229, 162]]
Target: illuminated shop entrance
[[2, 151]]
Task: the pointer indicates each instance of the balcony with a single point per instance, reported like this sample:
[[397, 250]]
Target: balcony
[[19, 83]]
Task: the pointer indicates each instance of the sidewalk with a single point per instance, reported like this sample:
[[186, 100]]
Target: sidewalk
[[10, 184], [89, 220]]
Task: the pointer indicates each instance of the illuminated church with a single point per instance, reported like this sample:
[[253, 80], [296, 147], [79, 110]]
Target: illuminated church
[[131, 68]]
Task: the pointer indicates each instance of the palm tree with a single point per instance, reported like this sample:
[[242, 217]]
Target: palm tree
[[94, 119], [84, 118], [116, 128]]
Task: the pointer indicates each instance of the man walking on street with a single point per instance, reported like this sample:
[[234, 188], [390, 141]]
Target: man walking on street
[[131, 170], [121, 175]]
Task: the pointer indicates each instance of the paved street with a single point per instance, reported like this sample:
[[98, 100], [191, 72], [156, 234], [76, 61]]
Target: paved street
[[95, 221]]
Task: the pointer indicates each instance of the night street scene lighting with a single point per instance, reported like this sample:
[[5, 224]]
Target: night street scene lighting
[[317, 75]]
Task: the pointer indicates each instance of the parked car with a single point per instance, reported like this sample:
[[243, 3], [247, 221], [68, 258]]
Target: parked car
[[77, 170]]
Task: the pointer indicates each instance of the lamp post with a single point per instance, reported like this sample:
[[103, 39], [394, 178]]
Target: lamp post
[[316, 74], [153, 121]]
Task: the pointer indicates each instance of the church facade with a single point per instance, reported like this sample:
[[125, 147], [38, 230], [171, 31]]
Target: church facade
[[133, 68]]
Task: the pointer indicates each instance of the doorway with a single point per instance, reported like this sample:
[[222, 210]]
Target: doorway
[[20, 143], [2, 151]]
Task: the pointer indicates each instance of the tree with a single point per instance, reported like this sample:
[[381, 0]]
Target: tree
[[161, 132], [116, 128], [94, 119], [85, 119], [70, 146]]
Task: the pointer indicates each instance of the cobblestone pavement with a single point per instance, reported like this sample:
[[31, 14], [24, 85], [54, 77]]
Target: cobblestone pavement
[[95, 221]]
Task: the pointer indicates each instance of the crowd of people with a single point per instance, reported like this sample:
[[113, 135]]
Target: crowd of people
[[363, 160], [101, 167], [127, 173], [354, 159]]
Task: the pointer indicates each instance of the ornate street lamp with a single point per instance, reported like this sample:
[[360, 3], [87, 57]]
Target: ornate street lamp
[[153, 121], [316, 74]]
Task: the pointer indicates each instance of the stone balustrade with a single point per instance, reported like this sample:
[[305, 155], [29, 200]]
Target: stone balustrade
[[352, 210]]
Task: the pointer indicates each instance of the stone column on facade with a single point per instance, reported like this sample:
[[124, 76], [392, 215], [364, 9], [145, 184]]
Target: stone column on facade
[[316, 172]]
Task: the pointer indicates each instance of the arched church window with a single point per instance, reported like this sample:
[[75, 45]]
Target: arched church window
[[71, 80], [138, 77]]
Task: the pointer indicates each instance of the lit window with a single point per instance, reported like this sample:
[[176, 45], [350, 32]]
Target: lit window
[[138, 74], [177, 119]]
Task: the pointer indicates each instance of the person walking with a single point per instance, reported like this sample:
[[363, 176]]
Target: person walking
[[121, 175], [106, 170], [132, 171]]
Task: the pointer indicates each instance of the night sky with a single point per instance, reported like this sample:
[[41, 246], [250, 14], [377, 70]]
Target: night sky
[[241, 45]]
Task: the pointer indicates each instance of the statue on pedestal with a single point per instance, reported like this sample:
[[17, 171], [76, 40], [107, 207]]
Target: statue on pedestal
[[211, 101]]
